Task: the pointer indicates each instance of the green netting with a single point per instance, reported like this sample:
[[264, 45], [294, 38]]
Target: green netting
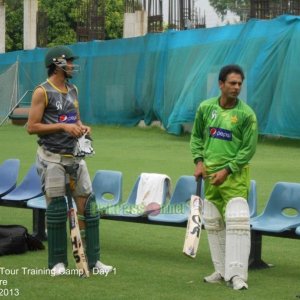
[[165, 76], [8, 91]]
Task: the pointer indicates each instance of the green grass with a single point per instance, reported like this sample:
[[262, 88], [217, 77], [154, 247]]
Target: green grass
[[148, 258]]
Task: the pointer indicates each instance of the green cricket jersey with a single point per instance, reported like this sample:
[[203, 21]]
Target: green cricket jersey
[[224, 137]]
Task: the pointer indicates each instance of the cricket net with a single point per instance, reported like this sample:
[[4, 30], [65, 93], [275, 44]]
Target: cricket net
[[8, 91]]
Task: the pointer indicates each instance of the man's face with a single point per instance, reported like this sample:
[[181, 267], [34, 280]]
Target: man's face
[[69, 68], [66, 66], [231, 87]]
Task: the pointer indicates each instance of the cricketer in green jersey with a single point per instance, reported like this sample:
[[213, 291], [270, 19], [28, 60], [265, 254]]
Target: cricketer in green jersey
[[223, 141]]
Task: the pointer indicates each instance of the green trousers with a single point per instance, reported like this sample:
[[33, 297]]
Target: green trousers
[[236, 185]]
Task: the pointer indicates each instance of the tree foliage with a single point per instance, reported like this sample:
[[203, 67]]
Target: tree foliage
[[222, 7], [114, 18], [61, 18], [61, 21], [14, 25]]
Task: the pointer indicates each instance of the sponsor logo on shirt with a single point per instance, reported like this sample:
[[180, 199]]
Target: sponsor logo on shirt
[[68, 118], [220, 133]]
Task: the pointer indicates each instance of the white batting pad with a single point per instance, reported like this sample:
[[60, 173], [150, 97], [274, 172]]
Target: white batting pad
[[237, 238], [215, 228]]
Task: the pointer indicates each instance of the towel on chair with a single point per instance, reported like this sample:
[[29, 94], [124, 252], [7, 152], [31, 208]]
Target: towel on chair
[[151, 189]]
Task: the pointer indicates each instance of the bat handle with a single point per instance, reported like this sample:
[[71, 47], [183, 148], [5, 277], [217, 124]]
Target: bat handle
[[68, 191], [67, 178], [199, 185]]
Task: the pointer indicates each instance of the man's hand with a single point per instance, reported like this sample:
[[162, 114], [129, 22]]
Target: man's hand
[[200, 170], [87, 130], [75, 130], [219, 177]]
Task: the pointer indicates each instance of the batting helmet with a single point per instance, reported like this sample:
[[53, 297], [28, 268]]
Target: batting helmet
[[59, 55]]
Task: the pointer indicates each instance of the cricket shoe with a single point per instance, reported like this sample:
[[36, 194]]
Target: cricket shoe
[[101, 268], [58, 269], [238, 283], [215, 277]]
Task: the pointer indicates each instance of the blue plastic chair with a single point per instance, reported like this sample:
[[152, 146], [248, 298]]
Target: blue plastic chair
[[285, 195], [9, 171], [107, 187], [125, 208], [39, 203], [252, 199], [129, 208], [177, 211], [29, 188]]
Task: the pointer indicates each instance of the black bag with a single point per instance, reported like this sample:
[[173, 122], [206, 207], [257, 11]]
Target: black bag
[[15, 239]]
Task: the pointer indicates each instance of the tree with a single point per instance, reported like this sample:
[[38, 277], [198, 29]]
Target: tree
[[62, 21], [61, 17], [14, 25], [239, 7], [114, 19]]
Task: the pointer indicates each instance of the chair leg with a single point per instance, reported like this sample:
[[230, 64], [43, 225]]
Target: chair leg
[[255, 261], [39, 224]]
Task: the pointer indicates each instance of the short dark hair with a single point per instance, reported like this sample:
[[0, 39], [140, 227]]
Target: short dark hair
[[226, 70], [51, 70]]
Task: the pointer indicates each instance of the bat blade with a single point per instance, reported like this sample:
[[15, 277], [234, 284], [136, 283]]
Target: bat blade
[[77, 246], [194, 226]]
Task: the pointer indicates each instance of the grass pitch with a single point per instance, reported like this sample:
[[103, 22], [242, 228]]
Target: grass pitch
[[148, 259]]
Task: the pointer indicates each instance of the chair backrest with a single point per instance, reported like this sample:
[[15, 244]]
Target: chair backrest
[[107, 187], [29, 188], [9, 171], [285, 195], [184, 188], [252, 199], [132, 196]]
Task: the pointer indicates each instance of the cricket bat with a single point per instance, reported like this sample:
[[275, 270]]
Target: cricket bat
[[76, 242], [194, 225]]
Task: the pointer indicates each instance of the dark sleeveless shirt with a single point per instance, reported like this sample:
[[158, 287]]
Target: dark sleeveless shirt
[[60, 108]]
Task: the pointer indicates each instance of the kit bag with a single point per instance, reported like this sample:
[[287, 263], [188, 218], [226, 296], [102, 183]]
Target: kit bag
[[15, 239]]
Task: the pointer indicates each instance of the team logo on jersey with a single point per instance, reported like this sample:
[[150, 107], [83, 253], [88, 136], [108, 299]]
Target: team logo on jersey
[[58, 105], [213, 114], [220, 133], [76, 103], [68, 118], [234, 119]]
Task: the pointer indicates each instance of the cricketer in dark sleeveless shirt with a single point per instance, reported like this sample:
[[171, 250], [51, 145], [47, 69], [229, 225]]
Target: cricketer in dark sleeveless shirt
[[60, 108]]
